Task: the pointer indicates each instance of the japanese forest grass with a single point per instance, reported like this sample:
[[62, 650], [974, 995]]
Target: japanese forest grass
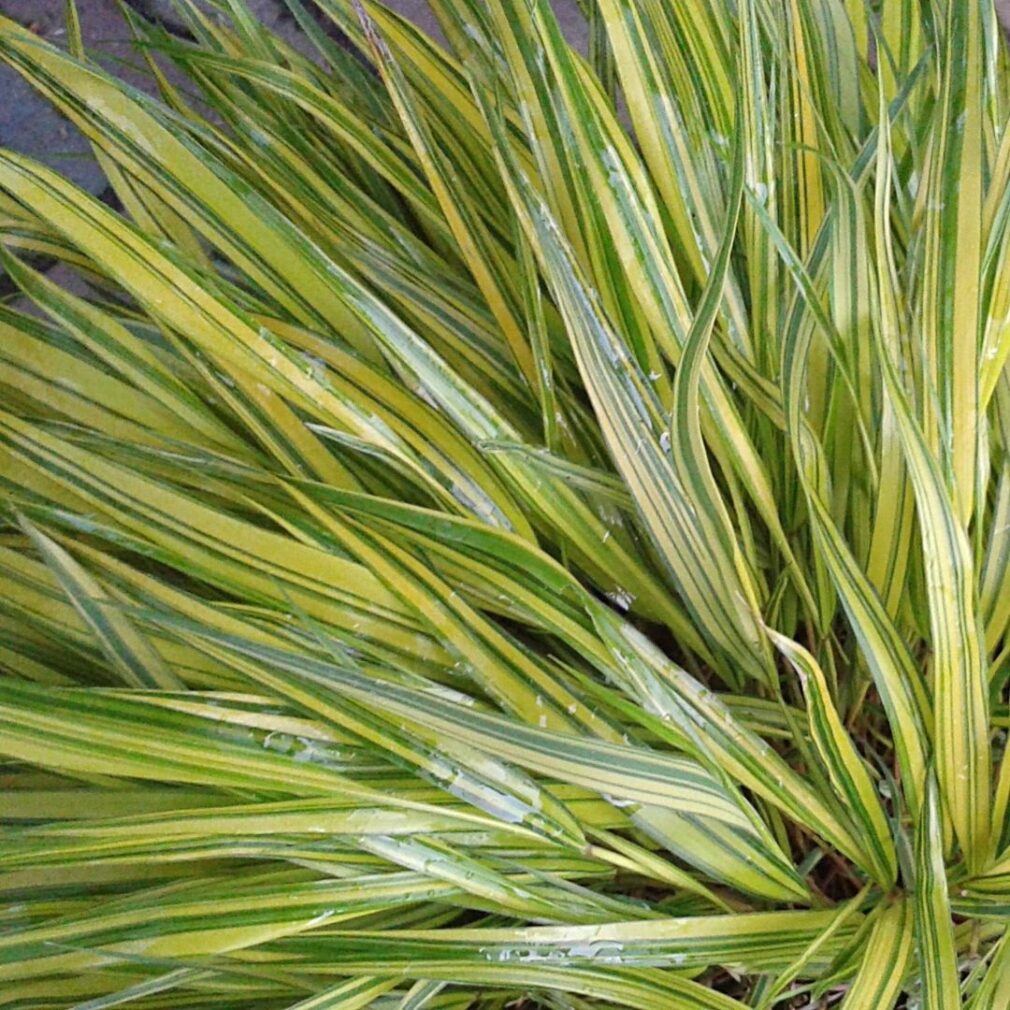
[[486, 524]]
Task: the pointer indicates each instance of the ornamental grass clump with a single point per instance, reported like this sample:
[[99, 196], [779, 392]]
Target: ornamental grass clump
[[487, 527]]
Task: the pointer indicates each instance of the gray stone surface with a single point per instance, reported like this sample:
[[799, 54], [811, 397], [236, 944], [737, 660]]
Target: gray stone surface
[[272, 13], [27, 122]]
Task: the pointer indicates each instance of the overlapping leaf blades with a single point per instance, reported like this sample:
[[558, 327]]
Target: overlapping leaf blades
[[498, 526]]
